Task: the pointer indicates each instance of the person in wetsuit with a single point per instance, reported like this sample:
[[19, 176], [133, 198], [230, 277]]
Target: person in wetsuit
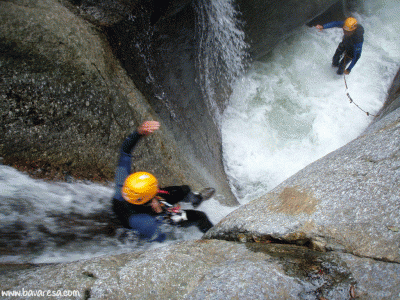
[[141, 205], [349, 50]]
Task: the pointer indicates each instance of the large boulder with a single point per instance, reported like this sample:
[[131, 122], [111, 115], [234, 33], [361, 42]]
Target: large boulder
[[184, 68], [210, 269], [67, 104], [348, 200]]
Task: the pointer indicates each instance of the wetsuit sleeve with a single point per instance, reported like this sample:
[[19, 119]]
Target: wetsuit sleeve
[[334, 24], [130, 142], [357, 54], [124, 163]]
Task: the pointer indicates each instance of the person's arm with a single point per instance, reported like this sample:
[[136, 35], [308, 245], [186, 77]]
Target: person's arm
[[124, 161], [330, 25], [146, 128], [357, 53]]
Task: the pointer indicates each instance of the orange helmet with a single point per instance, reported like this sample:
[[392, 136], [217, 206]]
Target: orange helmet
[[350, 24], [139, 188]]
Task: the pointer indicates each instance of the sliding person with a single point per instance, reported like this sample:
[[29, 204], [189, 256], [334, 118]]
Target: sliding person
[[141, 205]]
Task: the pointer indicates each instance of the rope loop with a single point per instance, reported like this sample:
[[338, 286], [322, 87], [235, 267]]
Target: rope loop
[[352, 101]]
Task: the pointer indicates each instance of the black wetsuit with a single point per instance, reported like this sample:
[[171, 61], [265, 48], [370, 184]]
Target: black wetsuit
[[349, 50], [142, 218]]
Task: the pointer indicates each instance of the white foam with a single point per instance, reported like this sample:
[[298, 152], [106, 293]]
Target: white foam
[[33, 202], [284, 114], [293, 109]]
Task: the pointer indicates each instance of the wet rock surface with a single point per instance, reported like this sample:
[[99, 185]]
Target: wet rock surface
[[67, 104], [347, 200], [225, 270], [329, 232], [267, 22]]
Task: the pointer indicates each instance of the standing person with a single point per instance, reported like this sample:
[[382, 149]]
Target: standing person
[[138, 201], [349, 50]]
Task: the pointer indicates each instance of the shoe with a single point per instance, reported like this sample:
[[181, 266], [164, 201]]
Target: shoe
[[196, 199], [203, 195], [207, 193]]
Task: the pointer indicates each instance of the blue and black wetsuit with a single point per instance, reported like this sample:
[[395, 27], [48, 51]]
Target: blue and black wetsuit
[[142, 218], [351, 47]]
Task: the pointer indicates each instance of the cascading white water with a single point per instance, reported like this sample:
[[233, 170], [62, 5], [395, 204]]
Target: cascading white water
[[31, 204], [34, 204], [221, 50], [283, 114], [292, 109]]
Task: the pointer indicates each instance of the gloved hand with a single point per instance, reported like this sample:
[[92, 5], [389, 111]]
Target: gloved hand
[[179, 217], [347, 72]]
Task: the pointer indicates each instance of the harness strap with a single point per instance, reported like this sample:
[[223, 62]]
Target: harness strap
[[163, 192]]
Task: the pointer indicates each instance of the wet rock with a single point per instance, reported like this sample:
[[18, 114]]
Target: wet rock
[[346, 200], [102, 13], [375, 279], [193, 270], [393, 100], [267, 22], [67, 104], [210, 268]]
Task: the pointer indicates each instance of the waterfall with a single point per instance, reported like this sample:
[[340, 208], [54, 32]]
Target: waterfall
[[283, 113], [221, 50], [49, 222]]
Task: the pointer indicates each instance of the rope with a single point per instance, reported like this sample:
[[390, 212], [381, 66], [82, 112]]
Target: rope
[[352, 101]]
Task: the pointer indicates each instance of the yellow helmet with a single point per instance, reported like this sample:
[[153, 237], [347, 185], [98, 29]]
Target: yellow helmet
[[350, 24], [139, 188]]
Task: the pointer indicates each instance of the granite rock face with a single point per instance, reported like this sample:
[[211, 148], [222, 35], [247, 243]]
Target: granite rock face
[[345, 206], [78, 76], [267, 22], [67, 104], [213, 269], [348, 200]]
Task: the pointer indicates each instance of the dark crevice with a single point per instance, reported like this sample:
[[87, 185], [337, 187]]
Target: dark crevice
[[87, 295], [309, 243], [89, 274]]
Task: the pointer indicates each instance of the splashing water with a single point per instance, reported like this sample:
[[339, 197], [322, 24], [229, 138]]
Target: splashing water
[[47, 222], [292, 109], [222, 50], [283, 114]]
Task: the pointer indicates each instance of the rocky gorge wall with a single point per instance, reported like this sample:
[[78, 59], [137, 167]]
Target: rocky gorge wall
[[78, 76], [70, 73], [67, 104], [331, 231]]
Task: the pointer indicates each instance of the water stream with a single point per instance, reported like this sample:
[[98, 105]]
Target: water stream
[[291, 109], [284, 113]]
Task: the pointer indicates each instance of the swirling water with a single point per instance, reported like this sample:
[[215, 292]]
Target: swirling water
[[284, 113], [291, 109]]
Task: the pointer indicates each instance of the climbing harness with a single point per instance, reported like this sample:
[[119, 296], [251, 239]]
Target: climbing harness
[[173, 213], [352, 101]]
